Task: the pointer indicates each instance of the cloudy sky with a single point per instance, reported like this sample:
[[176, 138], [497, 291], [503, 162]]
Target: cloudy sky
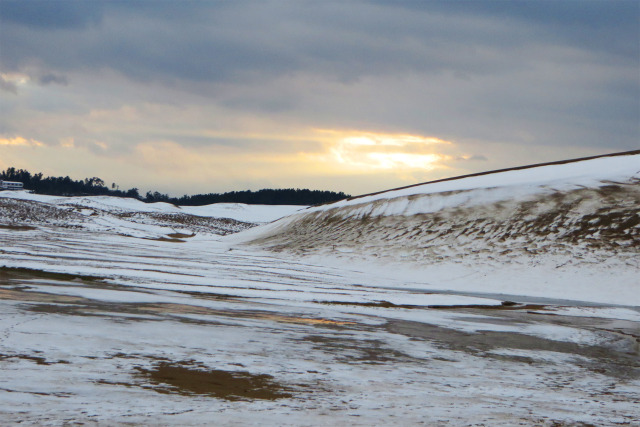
[[355, 96]]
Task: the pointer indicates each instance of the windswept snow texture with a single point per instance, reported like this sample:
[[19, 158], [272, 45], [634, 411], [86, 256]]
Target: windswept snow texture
[[489, 305], [236, 211], [134, 218], [527, 232]]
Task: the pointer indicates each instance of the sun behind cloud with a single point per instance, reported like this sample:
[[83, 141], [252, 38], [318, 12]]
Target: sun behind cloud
[[384, 151]]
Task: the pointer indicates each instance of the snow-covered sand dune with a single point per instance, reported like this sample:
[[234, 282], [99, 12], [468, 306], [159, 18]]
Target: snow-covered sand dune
[[528, 232], [502, 299], [132, 217], [236, 211]]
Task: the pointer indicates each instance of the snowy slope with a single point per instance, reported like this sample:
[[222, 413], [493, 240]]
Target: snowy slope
[[517, 182], [131, 217], [550, 227], [236, 211], [513, 185]]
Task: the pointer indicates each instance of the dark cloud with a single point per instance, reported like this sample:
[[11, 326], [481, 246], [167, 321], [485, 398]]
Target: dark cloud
[[51, 78], [48, 15], [225, 41], [611, 26], [527, 72], [222, 42]]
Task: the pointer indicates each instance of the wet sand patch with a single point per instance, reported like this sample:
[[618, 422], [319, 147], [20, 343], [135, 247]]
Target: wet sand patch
[[354, 351], [192, 378], [169, 308], [92, 310], [180, 235], [37, 359], [20, 294], [18, 227], [52, 303], [189, 379], [380, 304], [167, 239], [505, 305], [158, 239], [8, 273], [212, 296], [617, 361]]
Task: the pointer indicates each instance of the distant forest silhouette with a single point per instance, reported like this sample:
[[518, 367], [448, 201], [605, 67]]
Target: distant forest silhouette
[[65, 186]]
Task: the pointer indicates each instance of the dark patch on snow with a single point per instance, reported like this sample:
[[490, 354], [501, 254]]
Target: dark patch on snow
[[191, 378], [188, 378], [37, 359], [17, 227], [180, 235], [505, 305], [348, 350]]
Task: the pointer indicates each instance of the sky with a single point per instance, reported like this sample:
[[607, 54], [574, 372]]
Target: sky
[[187, 97]]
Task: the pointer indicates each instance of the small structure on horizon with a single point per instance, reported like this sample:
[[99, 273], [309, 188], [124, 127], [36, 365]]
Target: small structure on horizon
[[11, 185]]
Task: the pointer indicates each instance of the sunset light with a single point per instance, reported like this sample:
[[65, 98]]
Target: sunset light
[[20, 141], [216, 99], [366, 150], [296, 212]]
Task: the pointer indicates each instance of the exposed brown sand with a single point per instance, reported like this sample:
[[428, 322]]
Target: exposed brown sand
[[180, 378]]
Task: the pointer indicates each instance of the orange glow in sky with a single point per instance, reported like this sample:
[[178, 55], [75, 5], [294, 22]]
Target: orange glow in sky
[[368, 150]]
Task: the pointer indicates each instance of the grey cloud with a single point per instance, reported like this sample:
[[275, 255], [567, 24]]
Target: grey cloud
[[526, 72], [51, 78], [204, 41], [257, 145], [478, 157], [47, 14], [473, 158], [7, 86], [610, 26]]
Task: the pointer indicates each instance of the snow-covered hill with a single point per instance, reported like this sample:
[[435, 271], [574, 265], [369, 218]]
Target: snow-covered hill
[[501, 299], [548, 225], [132, 217]]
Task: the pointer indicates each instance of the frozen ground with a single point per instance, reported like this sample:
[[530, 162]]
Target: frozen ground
[[117, 314]]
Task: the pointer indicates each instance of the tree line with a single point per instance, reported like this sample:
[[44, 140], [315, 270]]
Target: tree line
[[65, 186]]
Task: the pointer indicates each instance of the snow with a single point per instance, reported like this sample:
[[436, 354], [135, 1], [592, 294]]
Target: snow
[[366, 325], [252, 311], [511, 233], [630, 314], [236, 211], [242, 212], [615, 286], [588, 173]]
